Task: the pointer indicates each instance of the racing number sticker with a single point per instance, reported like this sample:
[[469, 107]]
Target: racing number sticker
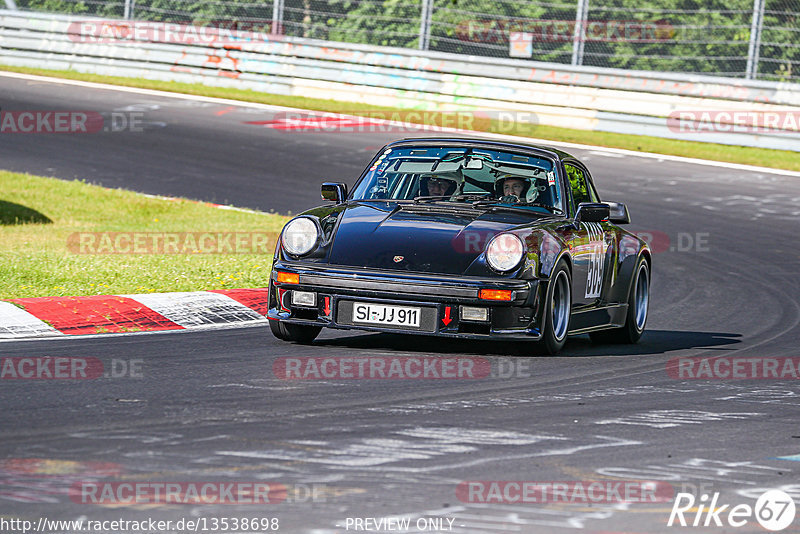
[[597, 247]]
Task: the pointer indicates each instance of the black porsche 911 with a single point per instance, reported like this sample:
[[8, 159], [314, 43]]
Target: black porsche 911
[[463, 238]]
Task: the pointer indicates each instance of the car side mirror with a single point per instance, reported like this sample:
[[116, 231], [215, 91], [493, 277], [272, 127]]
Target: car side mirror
[[618, 213], [334, 191], [592, 212]]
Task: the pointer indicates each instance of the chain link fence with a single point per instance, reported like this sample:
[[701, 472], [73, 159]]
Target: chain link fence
[[756, 39]]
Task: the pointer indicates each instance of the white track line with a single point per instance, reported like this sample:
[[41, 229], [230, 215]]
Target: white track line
[[501, 137], [64, 337]]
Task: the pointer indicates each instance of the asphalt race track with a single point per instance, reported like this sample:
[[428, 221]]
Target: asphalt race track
[[208, 406]]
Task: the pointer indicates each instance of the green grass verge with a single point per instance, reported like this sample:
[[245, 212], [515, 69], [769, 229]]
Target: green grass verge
[[39, 215], [778, 159]]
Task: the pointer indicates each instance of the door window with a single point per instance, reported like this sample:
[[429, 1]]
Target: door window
[[581, 190]]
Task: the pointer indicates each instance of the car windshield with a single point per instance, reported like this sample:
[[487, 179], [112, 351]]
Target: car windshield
[[481, 177]]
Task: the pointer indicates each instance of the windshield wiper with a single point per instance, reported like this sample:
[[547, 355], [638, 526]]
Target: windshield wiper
[[464, 196], [387, 200], [495, 204], [472, 196], [430, 198]]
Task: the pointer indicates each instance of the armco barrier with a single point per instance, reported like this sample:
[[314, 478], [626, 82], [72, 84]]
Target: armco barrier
[[572, 97]]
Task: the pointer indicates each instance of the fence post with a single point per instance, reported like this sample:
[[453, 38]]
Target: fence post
[[10, 4], [129, 7], [581, 17], [755, 39], [425, 24], [277, 17]]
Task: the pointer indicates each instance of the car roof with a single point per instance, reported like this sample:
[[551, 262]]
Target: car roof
[[475, 141]]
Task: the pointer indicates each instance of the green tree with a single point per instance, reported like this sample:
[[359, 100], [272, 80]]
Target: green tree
[[380, 22]]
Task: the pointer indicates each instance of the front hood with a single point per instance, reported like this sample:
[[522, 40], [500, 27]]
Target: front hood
[[422, 238]]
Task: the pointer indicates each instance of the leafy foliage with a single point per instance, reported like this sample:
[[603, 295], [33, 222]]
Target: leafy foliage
[[688, 36]]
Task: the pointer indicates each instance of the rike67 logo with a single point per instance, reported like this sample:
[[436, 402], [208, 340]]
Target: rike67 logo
[[774, 510]]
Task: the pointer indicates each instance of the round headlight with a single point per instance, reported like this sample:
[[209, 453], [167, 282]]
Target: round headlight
[[299, 236], [504, 252]]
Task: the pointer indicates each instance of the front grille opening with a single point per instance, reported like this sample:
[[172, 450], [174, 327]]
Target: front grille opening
[[474, 328], [305, 314]]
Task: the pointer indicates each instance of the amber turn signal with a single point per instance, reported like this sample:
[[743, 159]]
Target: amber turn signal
[[288, 278], [496, 294]]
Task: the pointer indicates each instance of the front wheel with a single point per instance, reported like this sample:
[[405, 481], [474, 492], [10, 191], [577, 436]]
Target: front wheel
[[558, 309], [297, 333], [638, 307]]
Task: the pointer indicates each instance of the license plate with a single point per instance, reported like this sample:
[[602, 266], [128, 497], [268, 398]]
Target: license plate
[[381, 314]]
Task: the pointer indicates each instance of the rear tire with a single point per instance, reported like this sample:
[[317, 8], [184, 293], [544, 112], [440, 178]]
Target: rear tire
[[557, 310], [297, 333], [638, 306]]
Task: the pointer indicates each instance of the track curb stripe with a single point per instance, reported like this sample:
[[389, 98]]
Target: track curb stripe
[[18, 323], [198, 309], [96, 314], [255, 299], [116, 314]]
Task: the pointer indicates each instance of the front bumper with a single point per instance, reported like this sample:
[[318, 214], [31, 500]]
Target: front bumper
[[440, 298]]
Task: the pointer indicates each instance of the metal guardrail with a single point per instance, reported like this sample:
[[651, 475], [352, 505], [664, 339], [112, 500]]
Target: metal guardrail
[[574, 97], [752, 39]]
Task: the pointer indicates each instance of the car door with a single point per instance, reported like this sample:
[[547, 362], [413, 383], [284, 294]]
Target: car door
[[592, 244]]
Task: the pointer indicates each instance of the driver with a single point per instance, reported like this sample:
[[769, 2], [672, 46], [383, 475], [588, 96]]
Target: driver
[[513, 188]]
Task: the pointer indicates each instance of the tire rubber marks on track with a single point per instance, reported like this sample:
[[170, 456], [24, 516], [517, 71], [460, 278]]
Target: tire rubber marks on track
[[765, 395], [754, 493], [47, 480], [149, 438], [673, 418], [616, 392], [696, 469], [466, 404], [427, 449], [773, 205]]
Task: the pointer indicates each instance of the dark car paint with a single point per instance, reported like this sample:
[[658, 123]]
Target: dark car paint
[[436, 239]]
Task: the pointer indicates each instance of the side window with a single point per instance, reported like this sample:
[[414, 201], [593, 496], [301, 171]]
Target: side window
[[581, 190]]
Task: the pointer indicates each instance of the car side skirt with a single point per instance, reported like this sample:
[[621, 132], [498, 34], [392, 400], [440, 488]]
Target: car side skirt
[[600, 318]]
